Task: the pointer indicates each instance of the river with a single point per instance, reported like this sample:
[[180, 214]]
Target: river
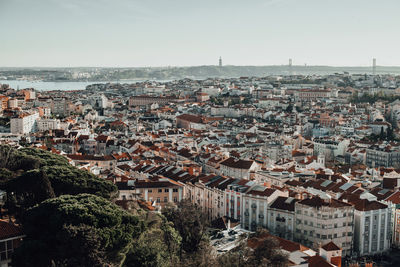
[[48, 86]]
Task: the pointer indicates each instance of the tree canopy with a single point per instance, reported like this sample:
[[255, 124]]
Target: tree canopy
[[80, 230], [30, 175]]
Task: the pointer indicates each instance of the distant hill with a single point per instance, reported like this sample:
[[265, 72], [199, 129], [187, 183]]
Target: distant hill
[[194, 72]]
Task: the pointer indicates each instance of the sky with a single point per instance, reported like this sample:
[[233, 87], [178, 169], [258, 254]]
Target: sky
[[142, 33]]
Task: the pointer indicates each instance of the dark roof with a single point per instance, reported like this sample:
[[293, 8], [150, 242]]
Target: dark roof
[[124, 186], [366, 205], [191, 118], [318, 261], [319, 202], [237, 163], [90, 157], [330, 246], [284, 203], [267, 192]]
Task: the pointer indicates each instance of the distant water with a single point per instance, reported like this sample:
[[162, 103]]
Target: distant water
[[49, 86]]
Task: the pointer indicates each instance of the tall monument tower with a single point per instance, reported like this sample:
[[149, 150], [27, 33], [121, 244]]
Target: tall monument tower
[[290, 67], [374, 66], [220, 62]]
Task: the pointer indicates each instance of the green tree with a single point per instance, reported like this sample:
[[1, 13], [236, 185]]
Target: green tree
[[191, 223], [81, 230], [157, 246]]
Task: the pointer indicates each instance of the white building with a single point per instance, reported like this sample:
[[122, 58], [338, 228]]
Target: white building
[[372, 227], [48, 124], [255, 206], [98, 101], [320, 220], [281, 217], [24, 123], [238, 168]]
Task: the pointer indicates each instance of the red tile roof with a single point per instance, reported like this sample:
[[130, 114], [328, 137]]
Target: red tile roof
[[331, 246]]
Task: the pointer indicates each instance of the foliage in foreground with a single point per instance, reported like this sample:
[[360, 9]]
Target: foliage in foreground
[[81, 230], [30, 176]]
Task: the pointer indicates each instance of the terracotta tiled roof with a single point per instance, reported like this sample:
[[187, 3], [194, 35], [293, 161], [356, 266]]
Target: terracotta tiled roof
[[319, 202], [330, 246], [90, 157], [237, 163], [366, 205]]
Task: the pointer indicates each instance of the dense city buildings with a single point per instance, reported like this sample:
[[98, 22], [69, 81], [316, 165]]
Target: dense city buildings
[[312, 159]]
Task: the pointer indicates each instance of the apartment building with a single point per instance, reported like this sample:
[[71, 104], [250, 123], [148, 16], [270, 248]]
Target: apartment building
[[321, 220], [281, 217], [238, 168], [255, 206], [24, 123], [372, 227], [59, 106], [144, 100], [160, 190], [384, 155], [48, 124]]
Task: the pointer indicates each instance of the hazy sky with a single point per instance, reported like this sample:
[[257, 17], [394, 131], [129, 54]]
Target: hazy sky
[[128, 33]]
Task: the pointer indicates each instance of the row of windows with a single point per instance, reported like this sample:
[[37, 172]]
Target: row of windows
[[166, 190], [311, 234], [165, 200], [323, 226], [325, 216]]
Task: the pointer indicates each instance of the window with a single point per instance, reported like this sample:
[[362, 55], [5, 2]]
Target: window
[[6, 249], [150, 191], [175, 199], [165, 199], [158, 200], [166, 190], [175, 190], [159, 190]]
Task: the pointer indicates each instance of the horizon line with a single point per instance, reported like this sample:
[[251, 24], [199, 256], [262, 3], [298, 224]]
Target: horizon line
[[211, 65]]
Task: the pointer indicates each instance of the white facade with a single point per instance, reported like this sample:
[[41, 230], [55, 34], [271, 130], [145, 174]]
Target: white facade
[[320, 221], [48, 124], [371, 231], [25, 123]]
